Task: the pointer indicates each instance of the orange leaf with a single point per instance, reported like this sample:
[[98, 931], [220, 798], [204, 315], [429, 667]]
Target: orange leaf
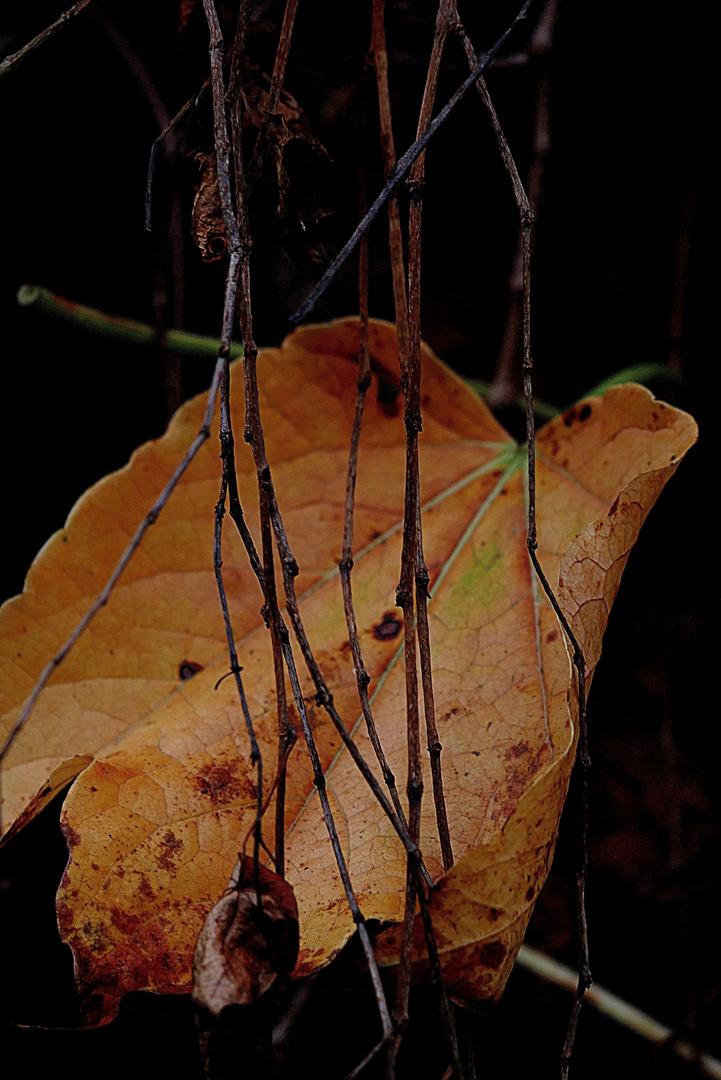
[[155, 823]]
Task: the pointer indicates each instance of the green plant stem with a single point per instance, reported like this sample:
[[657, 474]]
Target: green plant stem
[[617, 1009], [45, 302]]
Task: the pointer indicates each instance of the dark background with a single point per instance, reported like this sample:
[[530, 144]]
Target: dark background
[[627, 187]]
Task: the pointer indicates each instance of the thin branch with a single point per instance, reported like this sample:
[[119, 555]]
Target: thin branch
[[157, 143], [150, 518], [254, 435], [395, 235], [412, 595], [584, 974], [504, 390], [346, 562], [11, 62], [401, 171], [44, 302], [617, 1009], [445, 20], [527, 220]]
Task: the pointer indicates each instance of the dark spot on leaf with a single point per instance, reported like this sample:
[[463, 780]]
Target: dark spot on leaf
[[124, 922], [188, 668], [171, 846], [551, 636], [388, 628], [387, 397], [569, 417], [530, 893], [492, 955], [584, 413], [217, 782], [614, 506], [145, 889]]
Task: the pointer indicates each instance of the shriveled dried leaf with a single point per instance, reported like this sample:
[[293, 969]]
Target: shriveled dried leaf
[[245, 946], [207, 225], [154, 824]]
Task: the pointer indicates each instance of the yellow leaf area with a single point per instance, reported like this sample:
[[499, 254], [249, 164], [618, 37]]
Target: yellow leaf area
[[156, 821]]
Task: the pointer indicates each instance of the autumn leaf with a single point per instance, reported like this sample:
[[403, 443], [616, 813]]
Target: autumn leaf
[[163, 796]]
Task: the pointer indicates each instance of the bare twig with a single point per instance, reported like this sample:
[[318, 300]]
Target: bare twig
[[150, 518], [11, 62], [254, 435], [412, 596], [190, 104], [617, 1009], [445, 20], [395, 235], [346, 562], [584, 974], [401, 171], [544, 34], [504, 386]]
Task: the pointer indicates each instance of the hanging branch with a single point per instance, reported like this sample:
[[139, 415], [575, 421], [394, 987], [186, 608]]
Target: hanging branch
[[444, 21], [503, 391], [345, 565], [401, 171], [190, 104], [584, 972], [11, 62], [101, 600], [254, 435], [395, 235], [527, 218]]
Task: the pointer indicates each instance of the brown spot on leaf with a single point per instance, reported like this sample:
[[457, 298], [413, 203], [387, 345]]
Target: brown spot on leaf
[[388, 397], [188, 668], [552, 635], [145, 889], [388, 628], [584, 413], [220, 784], [530, 893], [492, 955], [171, 847], [569, 417], [125, 922]]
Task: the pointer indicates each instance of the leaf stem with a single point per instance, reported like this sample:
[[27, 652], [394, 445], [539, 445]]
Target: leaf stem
[[617, 1009], [44, 302]]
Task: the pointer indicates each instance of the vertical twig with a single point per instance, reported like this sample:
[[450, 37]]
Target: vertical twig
[[444, 21], [584, 971], [395, 234], [402, 168], [503, 391], [346, 562], [239, 242], [527, 218]]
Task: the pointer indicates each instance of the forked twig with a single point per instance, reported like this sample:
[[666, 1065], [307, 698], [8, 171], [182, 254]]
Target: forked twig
[[10, 62], [401, 171], [254, 435]]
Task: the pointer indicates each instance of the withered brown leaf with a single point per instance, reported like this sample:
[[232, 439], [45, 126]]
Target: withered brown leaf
[[245, 946]]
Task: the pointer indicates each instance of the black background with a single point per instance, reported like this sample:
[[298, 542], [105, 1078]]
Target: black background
[[629, 177]]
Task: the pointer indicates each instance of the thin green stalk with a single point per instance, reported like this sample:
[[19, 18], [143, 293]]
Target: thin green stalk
[[45, 302]]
